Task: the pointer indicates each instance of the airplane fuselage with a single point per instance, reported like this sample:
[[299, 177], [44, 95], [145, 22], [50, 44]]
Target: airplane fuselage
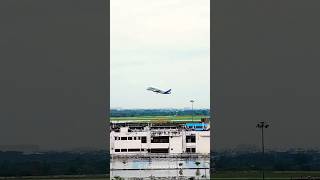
[[159, 91]]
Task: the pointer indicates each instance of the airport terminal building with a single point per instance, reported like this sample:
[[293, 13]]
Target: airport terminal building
[[173, 138]]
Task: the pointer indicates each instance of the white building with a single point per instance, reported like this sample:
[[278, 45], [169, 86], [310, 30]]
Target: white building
[[175, 139]]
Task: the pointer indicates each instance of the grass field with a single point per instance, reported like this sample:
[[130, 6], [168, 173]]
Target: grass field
[[156, 118], [268, 175]]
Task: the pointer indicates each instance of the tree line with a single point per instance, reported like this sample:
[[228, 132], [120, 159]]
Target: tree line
[[52, 163], [272, 161], [157, 112], [97, 162]]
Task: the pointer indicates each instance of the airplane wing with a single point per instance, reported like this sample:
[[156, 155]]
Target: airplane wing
[[150, 88], [154, 89]]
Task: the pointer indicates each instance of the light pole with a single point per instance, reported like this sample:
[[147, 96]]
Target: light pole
[[192, 101], [261, 125]]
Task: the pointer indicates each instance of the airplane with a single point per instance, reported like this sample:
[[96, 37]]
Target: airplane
[[159, 91]]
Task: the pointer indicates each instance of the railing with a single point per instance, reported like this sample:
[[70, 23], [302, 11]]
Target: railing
[[161, 155], [162, 132]]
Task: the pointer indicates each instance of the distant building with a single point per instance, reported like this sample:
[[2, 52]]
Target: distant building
[[173, 138]]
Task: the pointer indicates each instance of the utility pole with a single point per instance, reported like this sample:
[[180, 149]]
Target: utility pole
[[261, 125], [192, 101]]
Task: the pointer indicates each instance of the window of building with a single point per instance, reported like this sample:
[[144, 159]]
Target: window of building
[[123, 138], [123, 150], [133, 150], [115, 138], [193, 150], [191, 139], [188, 150], [143, 139], [134, 138], [159, 150], [160, 139], [129, 138], [117, 150]]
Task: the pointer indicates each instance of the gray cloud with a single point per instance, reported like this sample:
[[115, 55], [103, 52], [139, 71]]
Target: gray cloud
[[265, 67], [53, 73]]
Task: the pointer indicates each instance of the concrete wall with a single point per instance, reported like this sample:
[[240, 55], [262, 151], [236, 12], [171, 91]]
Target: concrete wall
[[203, 142], [176, 144], [127, 144]]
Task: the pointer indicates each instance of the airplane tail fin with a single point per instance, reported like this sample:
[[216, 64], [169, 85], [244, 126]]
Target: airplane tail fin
[[168, 92]]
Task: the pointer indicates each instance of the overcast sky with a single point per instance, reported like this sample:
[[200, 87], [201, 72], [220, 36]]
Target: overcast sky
[[53, 73], [163, 44], [266, 68]]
